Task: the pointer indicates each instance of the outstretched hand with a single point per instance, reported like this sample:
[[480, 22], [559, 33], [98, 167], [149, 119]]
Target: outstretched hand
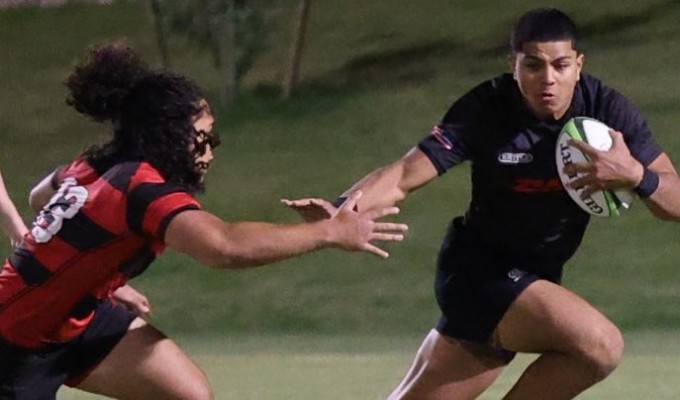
[[312, 209], [611, 169], [355, 230]]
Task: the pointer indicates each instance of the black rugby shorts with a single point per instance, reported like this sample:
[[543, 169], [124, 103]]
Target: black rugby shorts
[[37, 374], [475, 285]]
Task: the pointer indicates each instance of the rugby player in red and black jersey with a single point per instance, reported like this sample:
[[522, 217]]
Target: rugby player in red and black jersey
[[500, 266], [106, 216]]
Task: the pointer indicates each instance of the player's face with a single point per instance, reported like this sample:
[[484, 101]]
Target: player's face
[[546, 73], [205, 140]]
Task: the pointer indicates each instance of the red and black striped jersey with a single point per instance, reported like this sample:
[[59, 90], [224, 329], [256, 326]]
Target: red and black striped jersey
[[96, 232]]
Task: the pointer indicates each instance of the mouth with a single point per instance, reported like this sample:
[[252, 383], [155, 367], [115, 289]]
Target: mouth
[[548, 97]]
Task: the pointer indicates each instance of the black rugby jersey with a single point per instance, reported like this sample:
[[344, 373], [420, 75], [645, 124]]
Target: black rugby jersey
[[518, 204]]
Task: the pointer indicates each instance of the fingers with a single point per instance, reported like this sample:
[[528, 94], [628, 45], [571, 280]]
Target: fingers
[[584, 147], [375, 250], [578, 168], [381, 212], [297, 203], [388, 237], [618, 143], [390, 226], [352, 200]]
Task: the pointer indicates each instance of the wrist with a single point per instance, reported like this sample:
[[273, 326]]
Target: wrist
[[326, 232], [648, 183]]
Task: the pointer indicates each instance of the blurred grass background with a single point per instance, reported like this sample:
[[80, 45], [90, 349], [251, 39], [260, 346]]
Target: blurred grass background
[[377, 75]]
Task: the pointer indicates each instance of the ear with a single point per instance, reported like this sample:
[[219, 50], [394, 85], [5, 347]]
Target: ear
[[512, 63], [580, 60]]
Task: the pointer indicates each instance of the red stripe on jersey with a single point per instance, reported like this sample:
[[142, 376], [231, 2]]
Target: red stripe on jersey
[[158, 209], [54, 255], [111, 200]]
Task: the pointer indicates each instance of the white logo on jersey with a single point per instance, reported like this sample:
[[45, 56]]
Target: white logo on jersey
[[516, 274], [515, 158]]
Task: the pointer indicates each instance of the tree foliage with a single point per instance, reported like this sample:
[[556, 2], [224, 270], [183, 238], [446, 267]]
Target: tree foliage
[[231, 30]]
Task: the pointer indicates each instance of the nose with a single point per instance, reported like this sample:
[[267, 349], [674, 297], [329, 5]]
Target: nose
[[549, 75], [209, 153]]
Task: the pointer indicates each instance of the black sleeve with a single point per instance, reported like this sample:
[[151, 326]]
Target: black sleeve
[[622, 115], [451, 141]]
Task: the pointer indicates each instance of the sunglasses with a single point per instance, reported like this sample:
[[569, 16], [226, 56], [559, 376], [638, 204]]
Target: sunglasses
[[203, 139]]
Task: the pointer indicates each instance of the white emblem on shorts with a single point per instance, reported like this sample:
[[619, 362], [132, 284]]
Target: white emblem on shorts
[[516, 274]]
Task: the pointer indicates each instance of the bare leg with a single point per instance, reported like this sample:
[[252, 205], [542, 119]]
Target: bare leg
[[579, 345], [445, 368], [147, 365]]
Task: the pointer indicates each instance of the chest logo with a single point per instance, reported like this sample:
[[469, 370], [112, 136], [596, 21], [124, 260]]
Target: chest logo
[[515, 158]]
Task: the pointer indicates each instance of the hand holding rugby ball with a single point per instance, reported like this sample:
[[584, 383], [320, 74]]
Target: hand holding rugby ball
[[602, 203]]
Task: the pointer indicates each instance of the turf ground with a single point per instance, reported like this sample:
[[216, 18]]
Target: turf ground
[[367, 367]]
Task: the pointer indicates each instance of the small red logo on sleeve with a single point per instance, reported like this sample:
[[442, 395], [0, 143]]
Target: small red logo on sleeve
[[439, 134]]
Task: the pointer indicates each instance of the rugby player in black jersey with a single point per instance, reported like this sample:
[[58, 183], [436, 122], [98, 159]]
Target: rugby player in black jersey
[[500, 266]]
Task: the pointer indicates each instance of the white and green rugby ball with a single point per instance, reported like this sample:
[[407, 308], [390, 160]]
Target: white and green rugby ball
[[602, 203]]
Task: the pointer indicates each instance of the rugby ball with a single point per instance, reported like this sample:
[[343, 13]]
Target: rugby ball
[[602, 203]]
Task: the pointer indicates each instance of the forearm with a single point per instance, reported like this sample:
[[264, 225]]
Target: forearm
[[388, 185], [220, 244], [251, 244], [380, 188], [10, 219], [664, 202]]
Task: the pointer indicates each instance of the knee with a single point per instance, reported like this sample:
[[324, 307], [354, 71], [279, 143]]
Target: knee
[[202, 393], [198, 390], [604, 351]]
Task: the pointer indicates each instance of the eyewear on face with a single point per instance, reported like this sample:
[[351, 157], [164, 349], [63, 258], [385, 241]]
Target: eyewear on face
[[202, 139]]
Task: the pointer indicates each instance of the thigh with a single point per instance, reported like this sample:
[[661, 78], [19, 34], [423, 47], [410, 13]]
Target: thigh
[[547, 317], [145, 364], [449, 369]]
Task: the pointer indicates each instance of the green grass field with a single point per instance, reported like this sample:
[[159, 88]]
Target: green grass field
[[367, 367], [377, 76]]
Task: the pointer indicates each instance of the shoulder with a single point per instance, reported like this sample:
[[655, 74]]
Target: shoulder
[[486, 96], [498, 86], [607, 104], [603, 97], [147, 182]]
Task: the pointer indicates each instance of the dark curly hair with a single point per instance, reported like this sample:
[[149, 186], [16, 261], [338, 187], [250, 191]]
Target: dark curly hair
[[152, 112]]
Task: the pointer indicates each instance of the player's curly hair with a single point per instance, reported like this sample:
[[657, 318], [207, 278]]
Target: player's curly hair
[[152, 112]]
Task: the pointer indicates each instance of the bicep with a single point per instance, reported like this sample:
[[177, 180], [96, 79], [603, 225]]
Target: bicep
[[197, 234], [417, 170]]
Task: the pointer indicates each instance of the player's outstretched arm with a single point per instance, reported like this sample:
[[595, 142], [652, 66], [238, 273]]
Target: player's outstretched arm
[[10, 220], [383, 187], [221, 244]]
